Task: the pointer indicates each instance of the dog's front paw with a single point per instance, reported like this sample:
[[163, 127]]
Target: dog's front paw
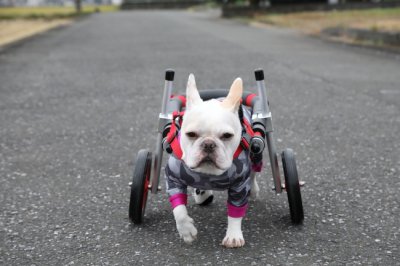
[[234, 236], [233, 240], [186, 229], [184, 224]]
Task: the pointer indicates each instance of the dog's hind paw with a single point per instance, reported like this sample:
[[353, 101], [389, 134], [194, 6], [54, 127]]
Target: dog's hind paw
[[255, 189], [203, 197]]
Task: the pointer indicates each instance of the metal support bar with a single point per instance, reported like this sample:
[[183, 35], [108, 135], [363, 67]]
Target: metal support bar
[[157, 160], [169, 78], [273, 157], [262, 91], [163, 117], [264, 116]]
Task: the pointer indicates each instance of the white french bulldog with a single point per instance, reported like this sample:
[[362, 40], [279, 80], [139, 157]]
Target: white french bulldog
[[210, 134]]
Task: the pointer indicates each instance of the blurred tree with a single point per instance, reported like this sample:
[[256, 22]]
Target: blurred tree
[[255, 3], [78, 6]]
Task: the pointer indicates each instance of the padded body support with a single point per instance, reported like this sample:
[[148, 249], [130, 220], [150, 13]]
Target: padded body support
[[249, 99]]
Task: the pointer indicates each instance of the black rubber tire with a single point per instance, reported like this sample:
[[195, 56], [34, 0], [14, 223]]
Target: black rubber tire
[[139, 187], [292, 186]]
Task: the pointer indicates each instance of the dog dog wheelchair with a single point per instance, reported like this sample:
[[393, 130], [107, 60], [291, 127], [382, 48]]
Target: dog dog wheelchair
[[259, 134]]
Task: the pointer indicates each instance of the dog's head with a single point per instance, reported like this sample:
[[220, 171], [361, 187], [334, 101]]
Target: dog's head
[[211, 130]]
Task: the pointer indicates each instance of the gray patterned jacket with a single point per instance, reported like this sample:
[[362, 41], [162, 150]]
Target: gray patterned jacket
[[236, 179]]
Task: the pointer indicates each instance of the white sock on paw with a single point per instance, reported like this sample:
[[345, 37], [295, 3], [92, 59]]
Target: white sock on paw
[[234, 236], [187, 231]]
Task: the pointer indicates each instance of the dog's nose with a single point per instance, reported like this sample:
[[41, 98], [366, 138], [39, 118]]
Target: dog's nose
[[208, 146]]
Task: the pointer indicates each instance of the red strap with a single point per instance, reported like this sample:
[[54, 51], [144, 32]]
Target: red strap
[[176, 148], [243, 142], [238, 151], [172, 131], [249, 129], [172, 137]]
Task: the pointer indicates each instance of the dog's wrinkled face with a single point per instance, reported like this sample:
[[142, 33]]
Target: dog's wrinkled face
[[211, 130]]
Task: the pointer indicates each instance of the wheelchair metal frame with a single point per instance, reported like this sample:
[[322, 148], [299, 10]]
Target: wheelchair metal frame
[[261, 116]]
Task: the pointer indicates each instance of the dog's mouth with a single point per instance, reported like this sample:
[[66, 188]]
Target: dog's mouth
[[208, 161]]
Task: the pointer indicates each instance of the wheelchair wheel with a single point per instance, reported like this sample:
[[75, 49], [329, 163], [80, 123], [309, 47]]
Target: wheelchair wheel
[[139, 187], [292, 186]]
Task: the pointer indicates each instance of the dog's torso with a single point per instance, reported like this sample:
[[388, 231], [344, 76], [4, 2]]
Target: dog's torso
[[236, 179]]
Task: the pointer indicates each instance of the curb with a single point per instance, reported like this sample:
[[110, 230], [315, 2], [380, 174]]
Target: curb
[[159, 4], [333, 35], [229, 10], [375, 37]]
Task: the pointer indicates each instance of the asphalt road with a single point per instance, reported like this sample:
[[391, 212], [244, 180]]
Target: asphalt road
[[78, 103]]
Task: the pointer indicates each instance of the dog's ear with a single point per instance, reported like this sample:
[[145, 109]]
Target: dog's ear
[[232, 101], [192, 94]]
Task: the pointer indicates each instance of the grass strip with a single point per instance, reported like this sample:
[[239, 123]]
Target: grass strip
[[378, 19], [48, 13]]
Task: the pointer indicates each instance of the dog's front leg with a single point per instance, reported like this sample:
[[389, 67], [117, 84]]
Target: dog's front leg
[[234, 236], [184, 224]]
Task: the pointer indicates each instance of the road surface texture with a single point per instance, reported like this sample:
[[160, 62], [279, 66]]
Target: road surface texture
[[78, 103]]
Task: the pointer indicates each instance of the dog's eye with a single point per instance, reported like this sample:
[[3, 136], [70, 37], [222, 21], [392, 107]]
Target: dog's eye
[[226, 136], [191, 135]]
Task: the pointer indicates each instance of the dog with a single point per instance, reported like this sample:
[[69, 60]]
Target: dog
[[210, 135]]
